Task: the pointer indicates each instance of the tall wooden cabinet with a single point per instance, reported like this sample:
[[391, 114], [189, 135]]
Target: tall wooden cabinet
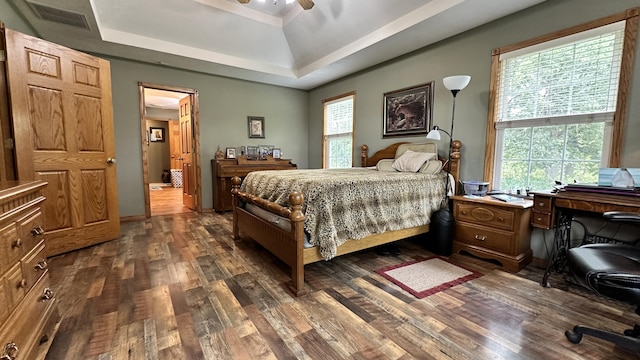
[[28, 312], [224, 169]]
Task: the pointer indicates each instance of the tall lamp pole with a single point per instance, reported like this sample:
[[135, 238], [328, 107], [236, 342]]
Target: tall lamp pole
[[442, 221]]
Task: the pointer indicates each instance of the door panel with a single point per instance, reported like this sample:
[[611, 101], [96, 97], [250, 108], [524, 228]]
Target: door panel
[[63, 123], [174, 145], [188, 171]]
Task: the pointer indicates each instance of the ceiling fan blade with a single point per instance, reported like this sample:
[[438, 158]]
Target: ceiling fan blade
[[306, 4]]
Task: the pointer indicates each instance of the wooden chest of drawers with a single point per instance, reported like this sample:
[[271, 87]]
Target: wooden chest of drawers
[[224, 169], [28, 312], [493, 229]]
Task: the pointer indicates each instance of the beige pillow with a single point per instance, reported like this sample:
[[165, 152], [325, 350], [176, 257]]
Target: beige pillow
[[385, 165], [427, 147], [431, 167], [411, 161]]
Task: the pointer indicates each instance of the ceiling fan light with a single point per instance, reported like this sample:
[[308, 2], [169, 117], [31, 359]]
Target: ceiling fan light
[[306, 4], [244, 1]]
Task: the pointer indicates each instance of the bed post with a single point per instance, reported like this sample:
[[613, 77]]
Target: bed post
[[297, 221], [454, 164], [365, 154], [235, 187]]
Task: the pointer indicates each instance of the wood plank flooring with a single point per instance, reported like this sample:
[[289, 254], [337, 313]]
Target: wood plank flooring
[[166, 201], [179, 287]]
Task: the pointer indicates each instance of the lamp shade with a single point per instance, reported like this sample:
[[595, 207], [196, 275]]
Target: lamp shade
[[457, 82], [433, 134]]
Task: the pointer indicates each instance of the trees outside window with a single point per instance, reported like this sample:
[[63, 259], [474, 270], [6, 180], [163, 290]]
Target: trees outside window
[[556, 112]]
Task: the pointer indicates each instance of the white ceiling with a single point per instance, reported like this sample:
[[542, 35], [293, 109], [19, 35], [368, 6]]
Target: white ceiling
[[277, 44]]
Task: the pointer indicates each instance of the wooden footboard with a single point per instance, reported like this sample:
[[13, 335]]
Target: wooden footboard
[[288, 246]]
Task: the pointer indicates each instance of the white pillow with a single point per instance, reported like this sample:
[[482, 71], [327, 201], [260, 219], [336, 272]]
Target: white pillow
[[411, 161]]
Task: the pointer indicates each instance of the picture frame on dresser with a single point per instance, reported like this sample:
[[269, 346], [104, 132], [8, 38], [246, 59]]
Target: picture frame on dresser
[[231, 153], [277, 154]]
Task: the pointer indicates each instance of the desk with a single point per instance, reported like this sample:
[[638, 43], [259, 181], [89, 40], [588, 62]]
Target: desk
[[564, 205]]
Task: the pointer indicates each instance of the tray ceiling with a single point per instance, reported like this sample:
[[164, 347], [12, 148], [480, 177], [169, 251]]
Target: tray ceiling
[[278, 44]]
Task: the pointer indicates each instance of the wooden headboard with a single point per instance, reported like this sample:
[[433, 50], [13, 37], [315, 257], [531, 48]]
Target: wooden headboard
[[390, 152]]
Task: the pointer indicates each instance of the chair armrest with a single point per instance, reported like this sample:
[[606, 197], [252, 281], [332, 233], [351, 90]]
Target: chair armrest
[[622, 216]]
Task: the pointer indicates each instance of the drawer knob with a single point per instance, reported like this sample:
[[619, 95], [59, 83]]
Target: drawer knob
[[41, 265], [501, 219], [23, 284], [17, 243], [480, 237], [10, 351], [47, 294], [37, 230], [540, 204]]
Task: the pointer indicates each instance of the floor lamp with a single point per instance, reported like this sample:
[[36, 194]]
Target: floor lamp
[[454, 84], [442, 222]]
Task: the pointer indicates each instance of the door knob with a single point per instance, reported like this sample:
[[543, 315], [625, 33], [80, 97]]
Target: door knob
[[111, 160]]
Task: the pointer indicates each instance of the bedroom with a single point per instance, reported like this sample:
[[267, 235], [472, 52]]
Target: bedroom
[[290, 111]]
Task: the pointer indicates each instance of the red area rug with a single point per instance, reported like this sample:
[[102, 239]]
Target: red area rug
[[425, 277]]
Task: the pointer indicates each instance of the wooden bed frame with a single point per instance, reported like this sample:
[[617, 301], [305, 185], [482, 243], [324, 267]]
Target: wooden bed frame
[[288, 246]]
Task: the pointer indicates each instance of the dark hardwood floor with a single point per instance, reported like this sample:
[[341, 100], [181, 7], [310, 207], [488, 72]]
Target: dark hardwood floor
[[179, 287]]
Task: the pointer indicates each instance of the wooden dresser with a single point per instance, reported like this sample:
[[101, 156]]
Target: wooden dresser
[[224, 169], [28, 313], [494, 229]]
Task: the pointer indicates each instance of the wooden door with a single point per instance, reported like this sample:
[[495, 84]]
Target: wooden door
[[174, 144], [62, 114], [188, 170]]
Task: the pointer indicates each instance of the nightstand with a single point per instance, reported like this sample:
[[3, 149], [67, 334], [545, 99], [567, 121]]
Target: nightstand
[[493, 229]]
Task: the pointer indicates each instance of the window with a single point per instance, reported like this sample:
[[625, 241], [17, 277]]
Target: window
[[337, 139], [553, 110]]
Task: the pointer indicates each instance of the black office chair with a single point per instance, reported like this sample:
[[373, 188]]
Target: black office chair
[[612, 270]]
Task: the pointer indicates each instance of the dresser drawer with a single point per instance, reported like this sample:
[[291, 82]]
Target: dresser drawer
[[485, 215], [34, 265], [31, 228], [27, 320], [484, 237], [11, 246], [4, 299], [15, 285]]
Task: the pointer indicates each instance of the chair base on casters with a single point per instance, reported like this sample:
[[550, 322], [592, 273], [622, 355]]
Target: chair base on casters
[[629, 342]]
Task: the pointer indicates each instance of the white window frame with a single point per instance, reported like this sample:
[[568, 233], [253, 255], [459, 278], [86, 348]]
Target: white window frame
[[326, 138], [614, 121]]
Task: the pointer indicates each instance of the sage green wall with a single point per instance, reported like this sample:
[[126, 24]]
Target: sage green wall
[[12, 20], [225, 104], [467, 54]]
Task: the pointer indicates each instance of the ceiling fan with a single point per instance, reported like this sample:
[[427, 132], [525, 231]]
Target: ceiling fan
[[306, 4]]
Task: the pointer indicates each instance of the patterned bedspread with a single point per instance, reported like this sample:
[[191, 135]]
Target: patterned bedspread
[[342, 204]]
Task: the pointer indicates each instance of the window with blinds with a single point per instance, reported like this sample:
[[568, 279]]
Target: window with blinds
[[555, 109], [338, 132]]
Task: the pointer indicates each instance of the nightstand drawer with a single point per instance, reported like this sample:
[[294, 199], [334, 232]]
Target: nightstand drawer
[[484, 215], [484, 237]]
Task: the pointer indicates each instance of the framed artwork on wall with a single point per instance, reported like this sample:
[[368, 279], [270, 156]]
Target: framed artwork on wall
[[408, 111], [156, 134], [256, 127]]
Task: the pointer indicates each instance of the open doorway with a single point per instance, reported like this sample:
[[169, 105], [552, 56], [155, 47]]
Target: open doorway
[[171, 160]]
